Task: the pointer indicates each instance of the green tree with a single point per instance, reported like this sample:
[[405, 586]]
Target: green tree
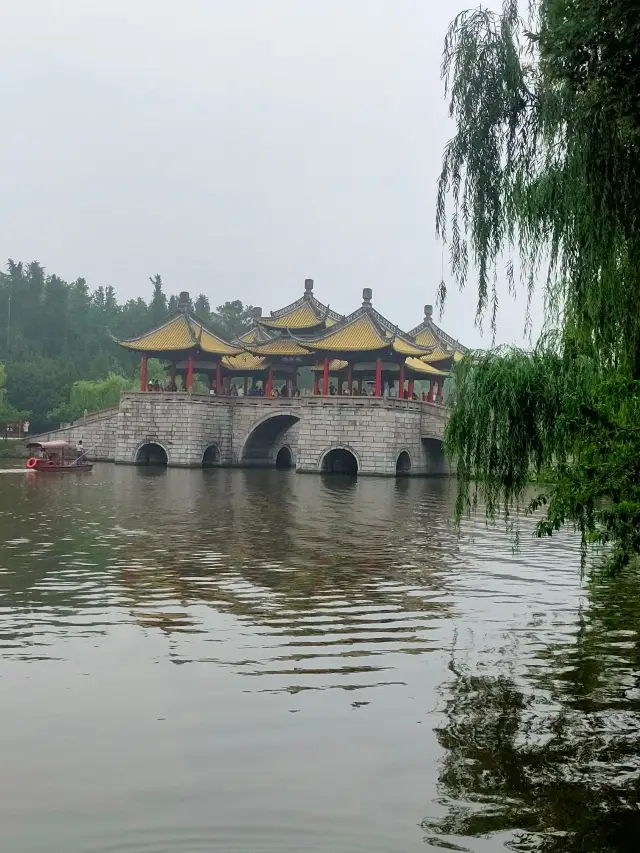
[[545, 161], [233, 318], [158, 306], [92, 396]]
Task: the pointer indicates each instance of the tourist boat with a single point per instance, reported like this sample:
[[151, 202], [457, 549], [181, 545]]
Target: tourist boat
[[56, 457]]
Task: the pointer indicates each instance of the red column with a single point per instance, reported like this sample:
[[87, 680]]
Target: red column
[[439, 391], [269, 385], [378, 391], [246, 385], [431, 390], [316, 389], [190, 373], [173, 373], [143, 373], [350, 378], [401, 382], [289, 384], [410, 394], [325, 378]]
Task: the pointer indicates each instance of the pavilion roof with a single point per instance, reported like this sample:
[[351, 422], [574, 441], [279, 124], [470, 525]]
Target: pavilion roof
[[254, 335], [444, 346], [303, 315], [421, 366], [283, 345], [365, 330], [179, 333], [246, 361]]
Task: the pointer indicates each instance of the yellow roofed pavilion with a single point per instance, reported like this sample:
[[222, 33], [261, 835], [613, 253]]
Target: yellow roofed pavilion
[[187, 344], [305, 315]]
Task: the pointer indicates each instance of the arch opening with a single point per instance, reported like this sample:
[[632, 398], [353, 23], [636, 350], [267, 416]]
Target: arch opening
[[211, 457], [259, 448], [403, 463], [151, 454], [284, 459], [340, 461]]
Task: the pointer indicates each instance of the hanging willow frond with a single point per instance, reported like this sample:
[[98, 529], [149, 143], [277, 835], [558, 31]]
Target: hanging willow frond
[[544, 167]]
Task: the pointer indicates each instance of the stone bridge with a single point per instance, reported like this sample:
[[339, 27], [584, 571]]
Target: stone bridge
[[366, 435]]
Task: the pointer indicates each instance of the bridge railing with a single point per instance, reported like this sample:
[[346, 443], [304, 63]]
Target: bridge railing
[[284, 402]]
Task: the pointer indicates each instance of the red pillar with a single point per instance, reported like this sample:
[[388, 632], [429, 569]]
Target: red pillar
[[439, 390], [143, 373], [325, 378], [190, 373], [246, 385], [431, 390], [401, 382], [410, 394], [378, 391], [316, 389], [173, 373], [350, 378], [269, 385], [289, 384]]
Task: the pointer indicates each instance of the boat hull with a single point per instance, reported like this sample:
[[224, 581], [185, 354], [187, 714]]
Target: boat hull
[[52, 468]]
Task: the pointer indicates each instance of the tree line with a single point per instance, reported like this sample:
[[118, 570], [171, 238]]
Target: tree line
[[56, 341]]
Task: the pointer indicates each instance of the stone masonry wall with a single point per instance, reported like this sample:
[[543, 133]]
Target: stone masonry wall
[[375, 431]]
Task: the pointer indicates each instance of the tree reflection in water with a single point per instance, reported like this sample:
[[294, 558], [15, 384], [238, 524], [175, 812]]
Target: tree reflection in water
[[552, 759]]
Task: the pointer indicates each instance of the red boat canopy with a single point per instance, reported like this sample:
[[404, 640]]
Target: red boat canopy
[[50, 445]]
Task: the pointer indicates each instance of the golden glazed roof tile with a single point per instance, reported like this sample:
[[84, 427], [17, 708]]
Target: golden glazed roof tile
[[213, 344], [299, 317], [365, 331], [360, 334], [279, 346], [175, 334], [430, 335], [404, 347], [416, 365], [178, 334]]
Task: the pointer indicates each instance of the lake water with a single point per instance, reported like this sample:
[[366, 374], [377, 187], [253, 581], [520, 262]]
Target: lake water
[[263, 661]]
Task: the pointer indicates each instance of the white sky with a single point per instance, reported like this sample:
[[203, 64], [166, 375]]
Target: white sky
[[236, 147]]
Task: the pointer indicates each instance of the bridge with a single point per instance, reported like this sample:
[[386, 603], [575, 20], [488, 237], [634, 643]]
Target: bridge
[[365, 435]]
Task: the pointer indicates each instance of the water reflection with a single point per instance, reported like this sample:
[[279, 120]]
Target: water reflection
[[552, 760], [189, 629]]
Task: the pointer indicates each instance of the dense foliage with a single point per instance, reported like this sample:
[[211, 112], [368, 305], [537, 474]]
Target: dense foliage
[[54, 334], [545, 163]]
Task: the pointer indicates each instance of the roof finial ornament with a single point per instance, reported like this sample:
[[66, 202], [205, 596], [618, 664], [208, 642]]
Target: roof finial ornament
[[428, 312], [184, 302], [256, 312], [367, 293], [308, 288]]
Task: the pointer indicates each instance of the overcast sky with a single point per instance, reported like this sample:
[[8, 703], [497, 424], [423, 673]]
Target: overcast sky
[[236, 147]]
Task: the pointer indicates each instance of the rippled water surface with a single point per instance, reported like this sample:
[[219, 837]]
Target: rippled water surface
[[263, 661]]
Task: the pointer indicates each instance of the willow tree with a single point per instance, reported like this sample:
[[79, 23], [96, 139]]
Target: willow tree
[[543, 175]]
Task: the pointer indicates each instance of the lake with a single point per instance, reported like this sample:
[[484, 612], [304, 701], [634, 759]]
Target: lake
[[263, 661]]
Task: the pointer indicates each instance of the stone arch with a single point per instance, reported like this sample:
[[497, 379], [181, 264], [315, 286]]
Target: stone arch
[[151, 452], [211, 456], [284, 457], [339, 459], [434, 458], [403, 462], [259, 448]]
